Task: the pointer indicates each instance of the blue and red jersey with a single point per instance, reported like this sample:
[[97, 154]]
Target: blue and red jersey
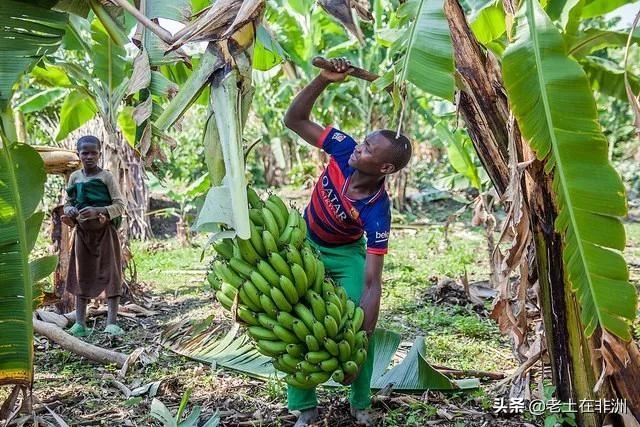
[[334, 219]]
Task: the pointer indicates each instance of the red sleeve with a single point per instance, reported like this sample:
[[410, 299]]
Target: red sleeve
[[323, 136], [377, 251]]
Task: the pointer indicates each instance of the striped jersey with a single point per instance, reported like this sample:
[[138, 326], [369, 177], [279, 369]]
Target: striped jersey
[[334, 219]]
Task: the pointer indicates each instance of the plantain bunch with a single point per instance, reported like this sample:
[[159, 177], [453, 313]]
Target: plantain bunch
[[275, 284]]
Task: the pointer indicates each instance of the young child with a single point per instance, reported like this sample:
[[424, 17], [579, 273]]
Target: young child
[[348, 201], [94, 208]]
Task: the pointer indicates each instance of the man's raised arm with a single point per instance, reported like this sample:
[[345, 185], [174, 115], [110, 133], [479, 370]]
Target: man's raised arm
[[298, 116]]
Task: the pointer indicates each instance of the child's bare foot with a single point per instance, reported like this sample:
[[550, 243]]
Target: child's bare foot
[[307, 417], [363, 416]]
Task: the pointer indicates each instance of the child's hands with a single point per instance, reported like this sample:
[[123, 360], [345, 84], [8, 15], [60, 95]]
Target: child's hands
[[72, 212], [341, 68], [89, 212]]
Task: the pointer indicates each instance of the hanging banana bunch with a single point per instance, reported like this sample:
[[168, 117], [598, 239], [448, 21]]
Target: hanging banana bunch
[[274, 283]]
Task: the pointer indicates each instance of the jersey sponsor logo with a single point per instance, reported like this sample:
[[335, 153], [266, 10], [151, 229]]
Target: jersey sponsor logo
[[332, 199], [382, 236], [339, 136]]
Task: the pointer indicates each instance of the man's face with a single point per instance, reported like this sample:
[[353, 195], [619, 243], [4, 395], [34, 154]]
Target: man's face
[[89, 155], [371, 156]]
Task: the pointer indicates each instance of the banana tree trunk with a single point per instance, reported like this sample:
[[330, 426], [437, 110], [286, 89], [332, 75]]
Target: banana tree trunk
[[575, 360], [127, 167]]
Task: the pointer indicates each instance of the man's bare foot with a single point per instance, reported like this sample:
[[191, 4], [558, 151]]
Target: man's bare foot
[[364, 417], [307, 417]]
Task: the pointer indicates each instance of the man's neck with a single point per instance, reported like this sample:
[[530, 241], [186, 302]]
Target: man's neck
[[364, 184], [92, 171]]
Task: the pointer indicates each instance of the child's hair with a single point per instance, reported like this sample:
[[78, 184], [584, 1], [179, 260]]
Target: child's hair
[[88, 139], [400, 148]]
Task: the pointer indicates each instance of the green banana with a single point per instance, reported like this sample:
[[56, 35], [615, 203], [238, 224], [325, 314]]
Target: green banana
[[350, 338], [309, 368], [290, 360], [265, 320], [256, 241], [297, 237], [350, 367], [295, 350], [338, 375], [333, 298], [270, 222], [213, 280], [327, 288], [334, 311], [280, 204], [255, 215], [362, 341], [230, 276], [271, 348], [342, 294], [351, 308], [284, 335], [280, 265], [281, 220], [320, 271], [303, 226], [300, 329], [277, 363], [252, 292], [319, 377], [294, 382], [360, 356], [228, 290], [289, 289], [270, 275], [248, 252], [247, 316], [224, 300], [260, 333], [358, 318], [270, 244], [254, 200], [286, 320], [312, 343], [317, 305], [317, 356], [309, 263], [241, 266], [300, 279], [224, 248], [318, 331], [280, 300], [268, 306], [305, 315], [260, 282], [248, 301], [294, 256], [329, 365], [301, 377], [331, 346], [344, 351]]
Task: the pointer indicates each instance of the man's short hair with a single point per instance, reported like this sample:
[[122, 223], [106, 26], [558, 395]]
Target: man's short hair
[[88, 139], [400, 148]]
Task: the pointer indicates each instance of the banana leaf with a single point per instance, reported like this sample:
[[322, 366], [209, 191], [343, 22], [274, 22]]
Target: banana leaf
[[607, 77], [235, 351], [550, 96], [488, 23], [22, 178], [594, 39], [428, 60], [593, 8], [28, 33]]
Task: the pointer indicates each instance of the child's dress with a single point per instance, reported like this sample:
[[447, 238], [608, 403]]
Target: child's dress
[[95, 260]]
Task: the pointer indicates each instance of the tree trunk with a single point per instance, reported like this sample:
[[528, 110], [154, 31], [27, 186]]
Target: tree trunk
[[574, 358], [126, 166], [61, 239]]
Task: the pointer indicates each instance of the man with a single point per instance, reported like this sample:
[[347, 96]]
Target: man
[[348, 201]]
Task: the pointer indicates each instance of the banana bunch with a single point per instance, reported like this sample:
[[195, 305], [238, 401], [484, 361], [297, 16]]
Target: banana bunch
[[277, 286]]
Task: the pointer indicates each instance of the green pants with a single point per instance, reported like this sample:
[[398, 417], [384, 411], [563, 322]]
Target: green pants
[[345, 264]]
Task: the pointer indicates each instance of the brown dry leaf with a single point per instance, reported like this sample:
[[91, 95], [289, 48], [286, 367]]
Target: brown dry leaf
[[141, 75], [250, 11], [142, 111], [633, 99], [341, 10]]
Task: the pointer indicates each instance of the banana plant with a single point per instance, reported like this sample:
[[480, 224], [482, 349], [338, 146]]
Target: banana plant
[[28, 32]]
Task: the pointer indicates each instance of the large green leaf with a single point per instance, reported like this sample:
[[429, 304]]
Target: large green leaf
[[428, 60], [42, 267], [109, 60], [550, 96], [460, 153], [488, 23], [28, 32], [234, 350], [77, 109], [607, 77], [267, 53], [594, 39], [22, 178], [593, 8], [41, 100]]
